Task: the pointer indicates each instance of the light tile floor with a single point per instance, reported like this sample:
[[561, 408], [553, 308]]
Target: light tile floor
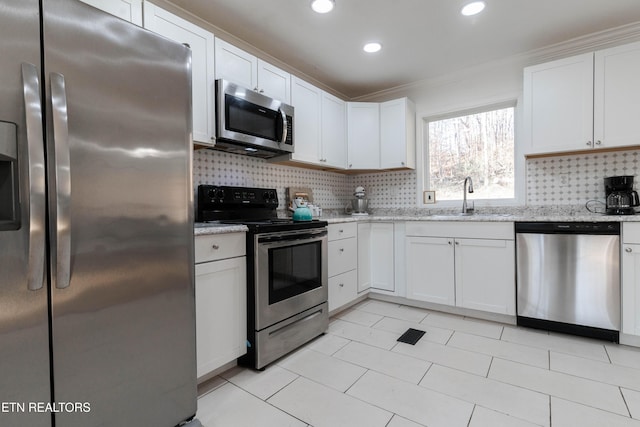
[[463, 372]]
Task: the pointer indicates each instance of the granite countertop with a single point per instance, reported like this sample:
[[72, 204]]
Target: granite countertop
[[494, 214], [206, 228]]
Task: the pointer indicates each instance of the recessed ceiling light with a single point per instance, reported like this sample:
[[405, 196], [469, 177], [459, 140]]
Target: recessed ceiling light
[[322, 6], [473, 8], [372, 47]]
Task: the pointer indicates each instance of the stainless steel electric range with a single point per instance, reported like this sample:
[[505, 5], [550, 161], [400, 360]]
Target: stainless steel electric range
[[286, 270]]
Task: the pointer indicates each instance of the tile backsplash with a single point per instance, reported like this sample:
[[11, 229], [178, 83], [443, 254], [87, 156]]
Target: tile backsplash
[[330, 190], [560, 180], [576, 179]]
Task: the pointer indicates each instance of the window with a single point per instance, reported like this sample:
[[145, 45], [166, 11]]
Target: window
[[479, 145]]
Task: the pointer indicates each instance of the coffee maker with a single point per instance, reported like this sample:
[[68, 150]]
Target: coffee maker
[[620, 196]]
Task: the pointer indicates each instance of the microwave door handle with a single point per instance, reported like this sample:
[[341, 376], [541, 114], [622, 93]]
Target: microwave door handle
[[35, 175], [61, 187], [284, 125]]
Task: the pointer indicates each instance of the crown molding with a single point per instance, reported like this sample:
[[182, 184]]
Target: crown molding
[[590, 42]]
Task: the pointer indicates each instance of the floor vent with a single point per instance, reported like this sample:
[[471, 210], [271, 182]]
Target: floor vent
[[412, 336]]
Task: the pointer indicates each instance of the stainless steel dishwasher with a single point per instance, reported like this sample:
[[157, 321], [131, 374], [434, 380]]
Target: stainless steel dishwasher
[[568, 277]]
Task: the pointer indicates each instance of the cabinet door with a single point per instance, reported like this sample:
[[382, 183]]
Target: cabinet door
[[221, 313], [274, 82], [306, 99], [236, 65], [631, 289], [397, 134], [430, 269], [617, 96], [485, 275], [334, 131], [364, 257], [363, 135], [201, 42], [342, 289], [382, 256], [129, 10], [558, 105]]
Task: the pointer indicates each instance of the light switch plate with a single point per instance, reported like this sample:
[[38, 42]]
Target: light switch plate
[[429, 197]]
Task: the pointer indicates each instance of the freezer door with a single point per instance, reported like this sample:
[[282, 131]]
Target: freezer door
[[121, 226], [24, 335]]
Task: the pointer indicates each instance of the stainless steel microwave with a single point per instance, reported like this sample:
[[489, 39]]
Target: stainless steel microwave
[[250, 123]]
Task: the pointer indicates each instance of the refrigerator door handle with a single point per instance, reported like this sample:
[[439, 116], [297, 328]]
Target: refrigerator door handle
[[36, 176], [61, 186]]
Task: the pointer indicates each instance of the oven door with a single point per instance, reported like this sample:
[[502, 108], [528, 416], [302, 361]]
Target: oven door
[[291, 274]]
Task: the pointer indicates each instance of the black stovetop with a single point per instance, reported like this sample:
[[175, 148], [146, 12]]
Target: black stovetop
[[253, 207]]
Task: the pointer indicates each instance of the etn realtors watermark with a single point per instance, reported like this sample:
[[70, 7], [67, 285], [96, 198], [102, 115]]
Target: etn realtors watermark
[[40, 407]]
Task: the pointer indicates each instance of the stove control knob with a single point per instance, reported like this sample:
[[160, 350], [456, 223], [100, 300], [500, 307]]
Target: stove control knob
[[265, 196], [211, 194], [220, 194], [272, 196]]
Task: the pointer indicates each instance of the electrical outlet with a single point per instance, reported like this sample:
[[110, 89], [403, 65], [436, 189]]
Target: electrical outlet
[[429, 197], [564, 179]]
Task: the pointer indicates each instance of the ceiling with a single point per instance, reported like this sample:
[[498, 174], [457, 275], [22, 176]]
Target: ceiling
[[421, 39]]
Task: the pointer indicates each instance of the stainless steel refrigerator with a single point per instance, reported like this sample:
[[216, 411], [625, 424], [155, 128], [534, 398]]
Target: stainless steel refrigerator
[[96, 237]]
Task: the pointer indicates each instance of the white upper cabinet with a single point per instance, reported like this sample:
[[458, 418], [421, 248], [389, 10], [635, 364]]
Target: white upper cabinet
[[129, 10], [244, 69], [398, 134], [307, 102], [320, 127], [202, 65], [363, 135], [617, 96], [588, 101], [236, 65], [333, 132], [274, 82], [558, 105]]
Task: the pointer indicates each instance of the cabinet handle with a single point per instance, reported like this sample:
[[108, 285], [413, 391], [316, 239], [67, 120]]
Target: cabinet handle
[[341, 285], [255, 89], [449, 242], [350, 165], [341, 249], [628, 250], [341, 231], [261, 91], [598, 142], [589, 143], [457, 243], [215, 247], [402, 163]]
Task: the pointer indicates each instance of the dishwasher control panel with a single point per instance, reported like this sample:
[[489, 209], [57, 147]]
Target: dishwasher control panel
[[568, 227]]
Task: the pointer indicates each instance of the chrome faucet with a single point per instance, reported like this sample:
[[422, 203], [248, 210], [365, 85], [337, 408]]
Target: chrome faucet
[[464, 195]]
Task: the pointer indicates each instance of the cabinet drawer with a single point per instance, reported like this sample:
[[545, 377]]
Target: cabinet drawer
[[342, 231], [343, 256], [631, 232], [219, 246], [343, 289]]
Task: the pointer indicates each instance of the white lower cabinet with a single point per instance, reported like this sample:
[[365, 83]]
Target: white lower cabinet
[[376, 256], [630, 259], [342, 264], [485, 275], [443, 266], [430, 269], [221, 301]]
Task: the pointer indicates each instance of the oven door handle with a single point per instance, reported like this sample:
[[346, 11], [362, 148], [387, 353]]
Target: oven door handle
[[292, 239]]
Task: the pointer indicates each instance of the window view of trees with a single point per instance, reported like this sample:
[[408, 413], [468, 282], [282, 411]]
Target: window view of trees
[[477, 145]]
